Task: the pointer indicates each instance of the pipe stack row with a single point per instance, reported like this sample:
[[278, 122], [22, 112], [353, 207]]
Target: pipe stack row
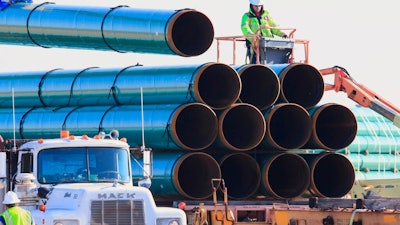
[[375, 150], [253, 125]]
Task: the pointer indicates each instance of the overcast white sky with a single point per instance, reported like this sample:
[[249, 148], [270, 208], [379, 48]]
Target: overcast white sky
[[358, 35]]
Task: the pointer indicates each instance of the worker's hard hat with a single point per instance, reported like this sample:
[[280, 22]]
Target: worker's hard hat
[[10, 198], [257, 2]]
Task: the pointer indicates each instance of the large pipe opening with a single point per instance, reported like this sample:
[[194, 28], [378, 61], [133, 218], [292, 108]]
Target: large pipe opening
[[218, 86], [333, 127], [184, 32], [193, 174], [288, 126], [194, 126], [190, 33], [241, 127], [302, 84], [260, 85], [332, 175], [241, 174], [285, 175]]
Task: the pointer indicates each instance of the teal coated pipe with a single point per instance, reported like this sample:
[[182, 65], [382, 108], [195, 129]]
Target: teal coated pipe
[[260, 85], [185, 32], [47, 122], [373, 145], [217, 85], [300, 83], [7, 124], [334, 127], [332, 174], [384, 129], [368, 115], [375, 162], [241, 174], [177, 175], [192, 126], [283, 175], [241, 127], [288, 126], [25, 85]]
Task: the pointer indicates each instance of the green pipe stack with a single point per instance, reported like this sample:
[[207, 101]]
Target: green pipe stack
[[375, 151]]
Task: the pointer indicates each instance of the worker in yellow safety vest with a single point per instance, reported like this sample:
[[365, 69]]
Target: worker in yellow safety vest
[[14, 215], [258, 22]]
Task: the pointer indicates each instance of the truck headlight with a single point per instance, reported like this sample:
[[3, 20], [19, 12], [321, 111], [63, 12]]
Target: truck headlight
[[66, 222], [169, 221]]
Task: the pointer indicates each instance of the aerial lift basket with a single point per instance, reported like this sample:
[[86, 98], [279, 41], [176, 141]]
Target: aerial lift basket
[[275, 51]]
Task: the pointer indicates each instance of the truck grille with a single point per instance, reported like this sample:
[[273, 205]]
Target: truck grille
[[117, 212]]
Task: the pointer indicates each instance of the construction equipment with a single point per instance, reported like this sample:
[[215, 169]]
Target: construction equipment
[[75, 179], [361, 94]]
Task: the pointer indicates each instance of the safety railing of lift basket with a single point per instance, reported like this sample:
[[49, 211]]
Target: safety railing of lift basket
[[256, 38]]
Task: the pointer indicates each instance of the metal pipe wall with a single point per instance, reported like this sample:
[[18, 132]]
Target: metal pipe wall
[[241, 174], [191, 126], [241, 127], [373, 145], [260, 85], [375, 162], [185, 32], [284, 175], [300, 83], [177, 175], [217, 85], [288, 126], [334, 127], [332, 174]]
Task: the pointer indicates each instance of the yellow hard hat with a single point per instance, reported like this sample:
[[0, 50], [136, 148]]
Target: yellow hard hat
[[257, 2], [10, 198]]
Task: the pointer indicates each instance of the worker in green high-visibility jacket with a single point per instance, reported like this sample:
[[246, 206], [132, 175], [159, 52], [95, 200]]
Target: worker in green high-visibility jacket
[[258, 22], [14, 215]]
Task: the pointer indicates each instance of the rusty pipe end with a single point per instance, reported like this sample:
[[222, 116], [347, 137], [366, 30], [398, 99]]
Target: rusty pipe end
[[302, 84], [190, 33], [332, 175], [194, 126], [193, 173], [284, 175], [241, 127], [260, 85], [334, 127], [288, 126], [241, 174], [216, 84]]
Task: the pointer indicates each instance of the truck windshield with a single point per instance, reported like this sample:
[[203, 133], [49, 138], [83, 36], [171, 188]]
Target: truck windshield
[[76, 165]]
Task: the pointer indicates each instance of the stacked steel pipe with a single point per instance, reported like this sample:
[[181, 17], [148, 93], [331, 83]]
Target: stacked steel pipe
[[244, 123]]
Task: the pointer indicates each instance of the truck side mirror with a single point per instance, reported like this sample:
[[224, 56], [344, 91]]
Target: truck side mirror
[[27, 163]]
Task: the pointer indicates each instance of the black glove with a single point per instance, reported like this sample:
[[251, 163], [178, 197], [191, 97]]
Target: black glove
[[284, 36]]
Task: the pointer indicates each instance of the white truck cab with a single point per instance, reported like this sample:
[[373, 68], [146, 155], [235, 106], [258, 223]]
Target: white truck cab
[[75, 180]]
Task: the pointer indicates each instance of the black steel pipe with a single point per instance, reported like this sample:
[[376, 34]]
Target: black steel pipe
[[260, 85], [288, 126], [241, 127], [334, 127], [284, 175], [241, 174], [332, 174], [300, 83]]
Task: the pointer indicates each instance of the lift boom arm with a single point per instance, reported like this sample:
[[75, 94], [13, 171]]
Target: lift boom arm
[[361, 94]]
